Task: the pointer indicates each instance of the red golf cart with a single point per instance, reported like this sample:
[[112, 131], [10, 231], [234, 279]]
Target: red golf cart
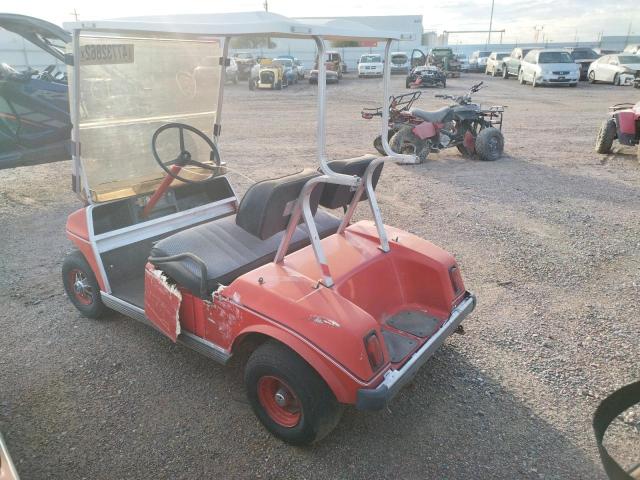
[[335, 313]]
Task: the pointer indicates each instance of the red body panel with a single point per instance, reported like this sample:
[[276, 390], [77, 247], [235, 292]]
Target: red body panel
[[425, 130], [162, 302], [325, 326], [627, 121], [78, 232]]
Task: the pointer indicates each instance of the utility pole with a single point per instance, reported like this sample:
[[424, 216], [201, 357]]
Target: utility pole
[[266, 5], [628, 34], [75, 14], [490, 23]]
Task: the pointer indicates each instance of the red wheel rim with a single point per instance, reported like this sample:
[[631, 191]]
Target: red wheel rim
[[80, 287], [279, 401]]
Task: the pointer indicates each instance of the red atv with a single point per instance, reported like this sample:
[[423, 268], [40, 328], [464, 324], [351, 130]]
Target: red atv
[[623, 125], [464, 125]]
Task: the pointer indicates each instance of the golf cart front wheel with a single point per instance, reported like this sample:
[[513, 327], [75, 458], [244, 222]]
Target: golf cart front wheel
[[490, 144], [81, 286], [290, 399]]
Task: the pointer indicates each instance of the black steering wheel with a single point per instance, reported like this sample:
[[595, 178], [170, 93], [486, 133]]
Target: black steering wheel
[[184, 157]]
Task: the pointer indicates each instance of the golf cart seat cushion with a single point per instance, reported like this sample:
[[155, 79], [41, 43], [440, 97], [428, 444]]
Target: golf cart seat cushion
[[435, 116], [227, 250], [337, 196], [267, 206]]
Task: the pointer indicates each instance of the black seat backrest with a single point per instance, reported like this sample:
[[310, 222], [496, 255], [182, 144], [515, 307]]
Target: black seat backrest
[[336, 196], [267, 206]]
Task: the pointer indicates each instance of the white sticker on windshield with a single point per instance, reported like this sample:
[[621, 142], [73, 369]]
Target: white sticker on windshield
[[107, 54]]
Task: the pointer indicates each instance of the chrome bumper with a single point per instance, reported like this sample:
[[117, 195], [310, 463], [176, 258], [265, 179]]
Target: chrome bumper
[[394, 380]]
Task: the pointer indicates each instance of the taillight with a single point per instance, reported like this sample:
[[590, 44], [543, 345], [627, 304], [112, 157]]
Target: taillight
[[456, 280], [374, 351]]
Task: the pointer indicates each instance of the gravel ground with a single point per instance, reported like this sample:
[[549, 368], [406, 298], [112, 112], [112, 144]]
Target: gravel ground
[[547, 237]]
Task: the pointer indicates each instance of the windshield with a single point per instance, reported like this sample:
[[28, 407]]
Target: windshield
[[629, 59], [483, 54], [244, 55], [586, 54], [370, 59], [399, 59], [129, 87], [285, 62], [500, 56], [555, 57]]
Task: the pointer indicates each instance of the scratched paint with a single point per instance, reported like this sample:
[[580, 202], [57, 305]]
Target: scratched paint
[[325, 321], [162, 303]]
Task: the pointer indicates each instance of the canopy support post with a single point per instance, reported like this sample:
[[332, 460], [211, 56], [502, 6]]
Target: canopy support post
[[78, 171], [223, 79]]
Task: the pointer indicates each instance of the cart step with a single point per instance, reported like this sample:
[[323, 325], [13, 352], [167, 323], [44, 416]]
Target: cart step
[[398, 345], [414, 322]]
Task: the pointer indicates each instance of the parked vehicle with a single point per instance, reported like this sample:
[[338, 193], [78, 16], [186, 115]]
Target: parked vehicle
[[445, 60], [7, 468], [231, 72], [35, 126], [300, 68], [334, 68], [426, 76], [270, 76], [478, 61], [370, 66], [623, 125], [245, 62], [464, 125], [511, 64], [464, 62], [549, 67], [583, 57], [289, 69], [495, 62], [633, 48], [167, 242], [619, 69], [296, 65], [636, 80], [400, 63]]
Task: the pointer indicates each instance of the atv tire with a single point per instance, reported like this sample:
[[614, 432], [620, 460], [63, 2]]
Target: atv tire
[[404, 141], [304, 409], [489, 144], [606, 136], [377, 142]]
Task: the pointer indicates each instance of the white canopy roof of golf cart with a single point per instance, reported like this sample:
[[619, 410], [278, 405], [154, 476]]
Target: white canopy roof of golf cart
[[239, 24]]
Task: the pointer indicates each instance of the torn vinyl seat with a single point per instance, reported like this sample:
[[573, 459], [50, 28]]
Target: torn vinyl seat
[[218, 252], [436, 116]]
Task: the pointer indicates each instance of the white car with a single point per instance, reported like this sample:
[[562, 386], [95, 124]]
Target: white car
[[633, 48], [231, 72], [618, 69], [494, 63], [370, 66], [549, 67], [478, 60]]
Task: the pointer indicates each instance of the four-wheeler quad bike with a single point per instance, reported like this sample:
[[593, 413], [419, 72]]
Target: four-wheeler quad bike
[[623, 125], [465, 125], [426, 76], [335, 313]]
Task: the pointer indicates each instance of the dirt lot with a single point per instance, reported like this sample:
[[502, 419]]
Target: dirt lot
[[548, 238]]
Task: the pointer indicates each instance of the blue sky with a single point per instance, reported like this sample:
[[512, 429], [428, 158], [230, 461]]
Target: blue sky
[[562, 20]]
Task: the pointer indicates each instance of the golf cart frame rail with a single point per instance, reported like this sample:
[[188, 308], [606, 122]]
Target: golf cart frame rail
[[226, 32]]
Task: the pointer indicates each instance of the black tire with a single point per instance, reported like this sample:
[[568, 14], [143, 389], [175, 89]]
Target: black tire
[[606, 136], [406, 142], [489, 144], [444, 83], [616, 80], [278, 86], [377, 142], [75, 268], [407, 83], [505, 73], [319, 411], [591, 77], [252, 84]]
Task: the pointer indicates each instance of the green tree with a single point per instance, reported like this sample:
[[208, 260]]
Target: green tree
[[344, 43]]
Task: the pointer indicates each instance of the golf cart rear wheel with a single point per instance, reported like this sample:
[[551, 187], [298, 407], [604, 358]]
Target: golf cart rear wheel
[[606, 136], [81, 286], [489, 144], [290, 399]]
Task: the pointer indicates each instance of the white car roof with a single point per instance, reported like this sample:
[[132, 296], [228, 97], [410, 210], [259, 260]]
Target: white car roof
[[239, 24]]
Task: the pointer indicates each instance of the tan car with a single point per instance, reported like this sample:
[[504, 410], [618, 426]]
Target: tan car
[[494, 63], [7, 468]]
